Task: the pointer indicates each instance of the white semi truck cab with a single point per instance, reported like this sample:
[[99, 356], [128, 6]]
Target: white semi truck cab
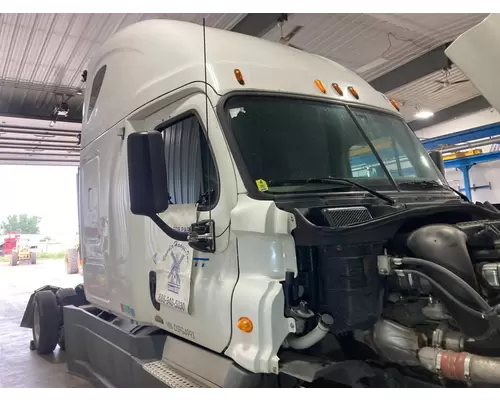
[[252, 215]]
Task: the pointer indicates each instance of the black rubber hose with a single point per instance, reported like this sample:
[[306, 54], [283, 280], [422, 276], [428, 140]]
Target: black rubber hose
[[429, 264], [445, 293]]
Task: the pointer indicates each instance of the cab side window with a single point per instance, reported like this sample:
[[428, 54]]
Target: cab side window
[[96, 89], [191, 171]]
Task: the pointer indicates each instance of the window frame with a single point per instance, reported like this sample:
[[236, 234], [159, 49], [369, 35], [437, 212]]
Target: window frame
[[105, 68], [184, 116]]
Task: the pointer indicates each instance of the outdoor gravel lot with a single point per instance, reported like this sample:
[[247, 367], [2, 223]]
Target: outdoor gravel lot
[[21, 367]]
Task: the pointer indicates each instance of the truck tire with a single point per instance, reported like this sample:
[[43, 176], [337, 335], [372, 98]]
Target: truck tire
[[14, 258], [71, 261], [46, 322], [33, 258]]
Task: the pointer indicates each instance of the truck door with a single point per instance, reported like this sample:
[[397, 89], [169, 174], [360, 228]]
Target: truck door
[[193, 289]]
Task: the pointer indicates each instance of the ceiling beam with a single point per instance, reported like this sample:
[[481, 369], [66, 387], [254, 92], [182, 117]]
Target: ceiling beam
[[36, 128], [37, 161], [4, 139], [36, 133], [458, 110], [419, 67], [31, 114], [256, 24], [23, 146]]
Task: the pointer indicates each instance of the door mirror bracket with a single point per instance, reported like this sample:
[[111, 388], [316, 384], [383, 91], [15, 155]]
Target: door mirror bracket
[[202, 236]]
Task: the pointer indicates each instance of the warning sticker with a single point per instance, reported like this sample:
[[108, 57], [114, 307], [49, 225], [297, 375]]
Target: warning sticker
[[262, 185]]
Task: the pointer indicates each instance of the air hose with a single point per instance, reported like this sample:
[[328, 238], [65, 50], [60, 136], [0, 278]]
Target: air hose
[[445, 293], [483, 305]]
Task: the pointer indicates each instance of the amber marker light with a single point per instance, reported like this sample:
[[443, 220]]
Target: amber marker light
[[245, 324]]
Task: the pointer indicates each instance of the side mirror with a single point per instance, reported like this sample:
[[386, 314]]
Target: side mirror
[[437, 159], [147, 175]]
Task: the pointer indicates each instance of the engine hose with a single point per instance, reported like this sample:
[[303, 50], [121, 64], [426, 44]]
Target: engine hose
[[461, 366], [425, 263], [447, 294]]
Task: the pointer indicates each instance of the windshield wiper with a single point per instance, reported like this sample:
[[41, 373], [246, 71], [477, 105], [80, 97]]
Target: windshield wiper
[[427, 183], [334, 180], [463, 196], [423, 183]]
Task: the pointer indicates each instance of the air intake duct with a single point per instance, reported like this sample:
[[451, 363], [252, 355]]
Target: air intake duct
[[446, 245]]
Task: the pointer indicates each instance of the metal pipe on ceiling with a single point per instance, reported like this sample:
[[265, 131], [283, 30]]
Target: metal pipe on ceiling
[[36, 128], [41, 133], [38, 146], [465, 146], [13, 153], [39, 160], [34, 141]]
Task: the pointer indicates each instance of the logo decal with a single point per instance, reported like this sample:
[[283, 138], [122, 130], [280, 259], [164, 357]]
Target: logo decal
[[200, 262], [178, 255]]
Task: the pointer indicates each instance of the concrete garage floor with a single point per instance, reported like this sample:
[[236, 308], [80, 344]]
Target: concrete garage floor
[[21, 367]]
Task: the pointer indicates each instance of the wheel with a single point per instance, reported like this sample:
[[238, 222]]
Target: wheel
[[71, 261], [14, 258], [33, 258], [45, 322]]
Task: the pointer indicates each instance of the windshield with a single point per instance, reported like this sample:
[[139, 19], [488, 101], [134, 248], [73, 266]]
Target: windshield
[[287, 142]]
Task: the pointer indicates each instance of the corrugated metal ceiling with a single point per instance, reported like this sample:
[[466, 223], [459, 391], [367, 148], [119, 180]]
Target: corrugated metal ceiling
[[27, 141], [42, 56], [375, 44], [386, 40], [426, 93]]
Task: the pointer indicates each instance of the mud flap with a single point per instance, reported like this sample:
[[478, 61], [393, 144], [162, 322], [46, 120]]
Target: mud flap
[[27, 321]]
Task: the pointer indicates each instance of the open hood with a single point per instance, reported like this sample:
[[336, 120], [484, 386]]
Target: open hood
[[477, 54]]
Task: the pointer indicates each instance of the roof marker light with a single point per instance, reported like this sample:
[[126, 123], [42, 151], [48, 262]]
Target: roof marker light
[[239, 76], [395, 104], [338, 89], [353, 91], [320, 85]]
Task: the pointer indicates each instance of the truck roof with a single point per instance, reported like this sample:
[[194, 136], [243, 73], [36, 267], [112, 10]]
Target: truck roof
[[151, 58]]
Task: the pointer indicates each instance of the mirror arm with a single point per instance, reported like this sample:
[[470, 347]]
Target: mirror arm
[[174, 234]]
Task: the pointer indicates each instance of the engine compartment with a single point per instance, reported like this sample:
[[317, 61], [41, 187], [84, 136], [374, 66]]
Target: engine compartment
[[415, 294]]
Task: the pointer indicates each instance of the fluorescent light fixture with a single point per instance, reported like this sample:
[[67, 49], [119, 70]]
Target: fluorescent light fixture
[[424, 114]]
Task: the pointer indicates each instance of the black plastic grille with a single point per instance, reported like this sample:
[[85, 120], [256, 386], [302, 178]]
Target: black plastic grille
[[346, 216]]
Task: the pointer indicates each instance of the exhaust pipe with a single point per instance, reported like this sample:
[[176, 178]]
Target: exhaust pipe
[[461, 366]]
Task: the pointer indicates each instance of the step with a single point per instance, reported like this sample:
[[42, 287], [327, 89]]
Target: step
[[169, 376]]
